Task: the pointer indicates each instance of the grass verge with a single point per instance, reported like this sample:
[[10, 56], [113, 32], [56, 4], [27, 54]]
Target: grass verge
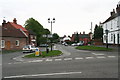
[[44, 54], [93, 48]]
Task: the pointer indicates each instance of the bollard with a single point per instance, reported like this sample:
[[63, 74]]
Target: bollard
[[37, 52], [47, 51]]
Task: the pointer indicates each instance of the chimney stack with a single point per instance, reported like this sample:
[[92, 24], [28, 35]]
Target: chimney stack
[[113, 12], [15, 21], [80, 32], [4, 22], [118, 8], [83, 32]]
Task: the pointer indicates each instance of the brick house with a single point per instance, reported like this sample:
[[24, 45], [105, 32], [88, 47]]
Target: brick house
[[82, 37], [12, 38], [31, 35]]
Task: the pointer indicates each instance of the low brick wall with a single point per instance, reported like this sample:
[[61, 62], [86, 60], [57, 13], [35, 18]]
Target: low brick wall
[[98, 42]]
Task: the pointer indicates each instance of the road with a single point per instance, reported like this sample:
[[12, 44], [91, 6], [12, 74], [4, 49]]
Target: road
[[72, 64]]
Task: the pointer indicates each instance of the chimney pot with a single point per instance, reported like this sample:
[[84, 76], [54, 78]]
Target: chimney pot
[[15, 21], [83, 32]]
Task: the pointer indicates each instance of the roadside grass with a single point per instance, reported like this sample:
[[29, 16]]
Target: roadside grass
[[94, 48], [44, 54], [10, 51]]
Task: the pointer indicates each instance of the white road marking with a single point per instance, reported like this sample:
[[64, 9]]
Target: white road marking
[[58, 59], [9, 63], [49, 74], [48, 59], [101, 57], [78, 58], [14, 58], [36, 61], [97, 54], [17, 62], [89, 57], [20, 60], [111, 56], [67, 59]]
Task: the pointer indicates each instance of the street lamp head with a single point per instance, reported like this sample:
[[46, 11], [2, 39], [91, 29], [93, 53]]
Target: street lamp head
[[48, 20], [106, 31], [53, 20]]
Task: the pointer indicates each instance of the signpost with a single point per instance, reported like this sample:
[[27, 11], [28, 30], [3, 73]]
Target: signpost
[[47, 36], [106, 31]]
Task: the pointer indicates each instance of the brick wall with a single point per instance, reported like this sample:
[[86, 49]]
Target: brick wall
[[10, 43]]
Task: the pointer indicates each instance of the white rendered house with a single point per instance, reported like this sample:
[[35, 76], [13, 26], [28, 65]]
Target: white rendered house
[[112, 24]]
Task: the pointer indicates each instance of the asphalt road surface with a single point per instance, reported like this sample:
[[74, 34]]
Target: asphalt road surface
[[72, 64]]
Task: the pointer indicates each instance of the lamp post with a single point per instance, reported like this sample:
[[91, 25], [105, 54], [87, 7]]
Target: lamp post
[[106, 31], [51, 21]]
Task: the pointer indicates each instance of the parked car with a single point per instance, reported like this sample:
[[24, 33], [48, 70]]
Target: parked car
[[74, 44], [80, 44], [29, 48], [66, 44], [44, 45]]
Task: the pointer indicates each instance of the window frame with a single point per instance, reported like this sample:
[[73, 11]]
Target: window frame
[[17, 43], [2, 43]]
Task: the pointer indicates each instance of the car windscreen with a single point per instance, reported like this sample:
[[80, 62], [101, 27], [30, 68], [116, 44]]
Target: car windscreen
[[26, 46], [32, 46]]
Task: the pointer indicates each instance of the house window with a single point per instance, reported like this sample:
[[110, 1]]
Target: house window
[[2, 43], [17, 43]]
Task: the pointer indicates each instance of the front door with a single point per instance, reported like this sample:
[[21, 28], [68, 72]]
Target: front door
[[114, 38], [118, 38], [8, 44]]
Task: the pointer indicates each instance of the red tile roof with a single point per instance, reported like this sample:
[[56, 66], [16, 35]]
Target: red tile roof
[[17, 26], [12, 32]]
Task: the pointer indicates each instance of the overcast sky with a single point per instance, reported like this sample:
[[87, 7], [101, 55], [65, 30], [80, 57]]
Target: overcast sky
[[70, 15]]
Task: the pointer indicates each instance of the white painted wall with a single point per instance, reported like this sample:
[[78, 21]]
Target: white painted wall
[[113, 26]]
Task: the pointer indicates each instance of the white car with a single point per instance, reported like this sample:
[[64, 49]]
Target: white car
[[74, 44], [29, 48], [80, 44]]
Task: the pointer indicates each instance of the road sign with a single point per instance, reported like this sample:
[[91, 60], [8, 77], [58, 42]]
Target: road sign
[[44, 35], [37, 52], [49, 35]]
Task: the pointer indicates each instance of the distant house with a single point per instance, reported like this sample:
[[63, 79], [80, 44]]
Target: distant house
[[65, 39], [82, 37], [12, 38], [112, 24]]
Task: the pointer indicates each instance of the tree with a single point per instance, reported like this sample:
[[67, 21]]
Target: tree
[[98, 32], [36, 27], [55, 37]]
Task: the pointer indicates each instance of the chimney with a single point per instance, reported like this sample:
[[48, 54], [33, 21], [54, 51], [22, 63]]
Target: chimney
[[113, 12], [4, 22], [80, 32], [118, 8], [15, 21], [83, 32]]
